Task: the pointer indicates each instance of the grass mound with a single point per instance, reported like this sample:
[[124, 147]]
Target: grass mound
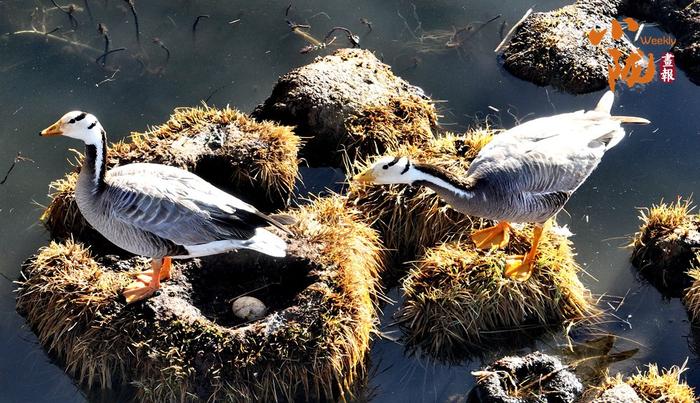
[[259, 161], [186, 344], [654, 385], [666, 245], [458, 300], [349, 105]]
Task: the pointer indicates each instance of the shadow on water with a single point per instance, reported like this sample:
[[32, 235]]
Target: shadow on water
[[234, 56]]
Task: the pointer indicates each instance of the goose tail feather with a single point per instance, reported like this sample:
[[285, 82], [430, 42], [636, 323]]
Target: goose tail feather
[[267, 243]]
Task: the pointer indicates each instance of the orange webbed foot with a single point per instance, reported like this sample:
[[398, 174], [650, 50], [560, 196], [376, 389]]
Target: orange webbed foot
[[497, 236]]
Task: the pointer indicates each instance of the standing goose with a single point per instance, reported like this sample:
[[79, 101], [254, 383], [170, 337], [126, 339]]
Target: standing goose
[[160, 211], [525, 174]]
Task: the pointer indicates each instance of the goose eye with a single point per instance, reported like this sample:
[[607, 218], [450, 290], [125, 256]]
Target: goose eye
[[385, 167], [71, 121]]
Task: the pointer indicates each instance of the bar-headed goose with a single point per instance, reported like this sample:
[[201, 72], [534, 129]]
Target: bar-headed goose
[[159, 211], [525, 174]]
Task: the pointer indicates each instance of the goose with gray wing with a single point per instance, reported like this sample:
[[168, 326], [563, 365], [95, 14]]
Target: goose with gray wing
[[525, 174], [160, 211]]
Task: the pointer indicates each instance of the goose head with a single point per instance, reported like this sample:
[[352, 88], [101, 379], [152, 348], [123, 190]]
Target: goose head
[[78, 125], [388, 170]]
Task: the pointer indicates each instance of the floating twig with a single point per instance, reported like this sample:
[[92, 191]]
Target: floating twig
[[461, 35], [89, 11], [130, 3], [49, 35], [354, 39], [194, 26], [105, 54], [69, 12], [108, 79], [319, 46], [367, 22], [102, 29], [18, 158], [512, 30], [160, 43]]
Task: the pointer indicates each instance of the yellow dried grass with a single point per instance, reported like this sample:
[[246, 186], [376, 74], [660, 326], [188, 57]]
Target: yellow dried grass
[[458, 299], [654, 386]]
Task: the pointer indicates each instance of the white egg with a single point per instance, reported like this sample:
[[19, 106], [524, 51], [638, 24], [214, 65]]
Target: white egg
[[248, 308]]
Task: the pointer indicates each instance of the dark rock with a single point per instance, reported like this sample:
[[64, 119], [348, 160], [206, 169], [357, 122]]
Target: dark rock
[[348, 102], [620, 393], [553, 48], [539, 378]]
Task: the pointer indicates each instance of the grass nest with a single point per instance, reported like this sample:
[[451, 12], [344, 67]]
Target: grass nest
[[409, 217], [652, 386], [259, 158], [185, 344], [458, 301], [667, 245]]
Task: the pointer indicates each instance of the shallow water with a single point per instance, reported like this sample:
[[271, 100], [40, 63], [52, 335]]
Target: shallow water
[[235, 59]]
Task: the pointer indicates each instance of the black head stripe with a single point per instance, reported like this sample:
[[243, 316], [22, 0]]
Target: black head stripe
[[80, 117], [408, 165], [394, 161], [92, 125]]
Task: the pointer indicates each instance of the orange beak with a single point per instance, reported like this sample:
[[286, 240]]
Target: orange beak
[[53, 130]]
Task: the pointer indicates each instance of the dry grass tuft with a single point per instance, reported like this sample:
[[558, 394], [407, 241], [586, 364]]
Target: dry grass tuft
[[666, 245], [410, 218], [261, 154], [691, 299], [172, 347], [260, 157], [403, 120], [458, 299], [653, 386], [664, 217]]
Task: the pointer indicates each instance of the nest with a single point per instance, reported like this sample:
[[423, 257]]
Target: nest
[[458, 301], [667, 246], [260, 160], [650, 386], [185, 343], [351, 104], [410, 218]]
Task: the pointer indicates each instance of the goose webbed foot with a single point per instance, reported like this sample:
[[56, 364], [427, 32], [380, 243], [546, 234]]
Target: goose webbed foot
[[148, 282], [520, 268], [497, 236]]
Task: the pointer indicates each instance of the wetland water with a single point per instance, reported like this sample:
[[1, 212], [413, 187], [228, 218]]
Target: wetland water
[[235, 58]]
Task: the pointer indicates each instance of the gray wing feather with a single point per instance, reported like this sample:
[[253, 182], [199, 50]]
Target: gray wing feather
[[546, 155], [176, 205]]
